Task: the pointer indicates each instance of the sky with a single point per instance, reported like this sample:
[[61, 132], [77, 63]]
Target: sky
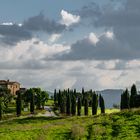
[[70, 44]]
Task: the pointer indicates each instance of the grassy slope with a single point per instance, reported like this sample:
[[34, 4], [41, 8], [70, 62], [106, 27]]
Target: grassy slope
[[124, 125]]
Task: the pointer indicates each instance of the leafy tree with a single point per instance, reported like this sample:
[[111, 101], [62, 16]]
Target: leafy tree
[[132, 96], [5, 98], [37, 96], [43, 98], [102, 104], [79, 104], [94, 103], [18, 103], [125, 100], [86, 106]]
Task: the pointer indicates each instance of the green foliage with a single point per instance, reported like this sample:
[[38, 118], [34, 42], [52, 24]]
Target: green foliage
[[5, 98], [124, 125]]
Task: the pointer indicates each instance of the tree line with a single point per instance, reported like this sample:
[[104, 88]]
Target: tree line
[[130, 99], [70, 102]]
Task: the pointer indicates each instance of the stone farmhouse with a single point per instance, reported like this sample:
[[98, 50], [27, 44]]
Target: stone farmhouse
[[12, 85]]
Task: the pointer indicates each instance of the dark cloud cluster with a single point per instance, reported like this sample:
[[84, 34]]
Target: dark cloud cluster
[[40, 23], [123, 21], [11, 34], [105, 49]]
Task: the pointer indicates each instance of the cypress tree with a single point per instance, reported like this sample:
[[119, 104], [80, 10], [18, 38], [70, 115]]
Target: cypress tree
[[63, 102], [94, 103], [55, 97], [73, 105], [59, 98], [125, 100], [83, 96], [0, 108], [68, 105], [86, 106], [133, 94], [102, 104], [18, 103], [79, 104], [32, 101]]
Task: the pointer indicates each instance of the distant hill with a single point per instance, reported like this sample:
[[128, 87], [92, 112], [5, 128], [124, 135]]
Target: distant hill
[[111, 96]]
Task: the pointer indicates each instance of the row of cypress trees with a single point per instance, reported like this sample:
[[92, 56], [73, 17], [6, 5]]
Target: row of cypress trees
[[70, 102], [129, 100]]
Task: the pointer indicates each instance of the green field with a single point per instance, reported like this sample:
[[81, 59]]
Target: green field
[[123, 125]]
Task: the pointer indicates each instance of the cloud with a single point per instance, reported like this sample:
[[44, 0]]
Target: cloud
[[29, 55], [40, 23], [104, 47], [91, 10], [124, 22], [93, 38], [11, 34], [54, 37], [69, 19]]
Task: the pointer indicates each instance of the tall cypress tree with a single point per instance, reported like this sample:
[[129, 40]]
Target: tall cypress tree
[[125, 100], [32, 101], [63, 102], [102, 104], [0, 108], [18, 103], [59, 98], [133, 94], [79, 104], [86, 106], [73, 105], [83, 96], [55, 97], [68, 105], [94, 103]]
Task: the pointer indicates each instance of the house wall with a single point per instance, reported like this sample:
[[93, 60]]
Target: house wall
[[13, 88]]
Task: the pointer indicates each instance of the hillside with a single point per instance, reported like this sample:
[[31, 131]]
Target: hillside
[[123, 125]]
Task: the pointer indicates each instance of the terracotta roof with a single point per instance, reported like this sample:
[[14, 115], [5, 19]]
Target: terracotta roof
[[8, 82]]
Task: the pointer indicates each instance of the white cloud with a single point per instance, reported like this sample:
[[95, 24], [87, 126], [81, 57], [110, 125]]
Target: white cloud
[[7, 23], [29, 54], [54, 37], [68, 18], [93, 38], [109, 34]]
